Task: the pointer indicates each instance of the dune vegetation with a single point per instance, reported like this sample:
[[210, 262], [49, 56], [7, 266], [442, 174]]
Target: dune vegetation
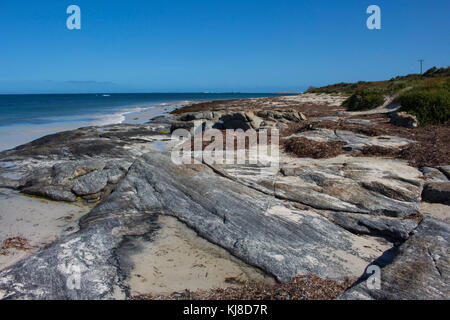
[[426, 96]]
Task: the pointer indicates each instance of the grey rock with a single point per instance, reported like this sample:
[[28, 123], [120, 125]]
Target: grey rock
[[403, 119], [261, 230], [437, 192], [391, 228], [181, 125], [235, 217], [419, 271], [354, 141], [51, 192], [445, 170], [359, 185], [66, 171], [254, 120], [115, 175], [432, 174], [79, 266], [90, 183], [113, 141]]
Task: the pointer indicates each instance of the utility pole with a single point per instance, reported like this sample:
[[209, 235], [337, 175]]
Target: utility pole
[[421, 62]]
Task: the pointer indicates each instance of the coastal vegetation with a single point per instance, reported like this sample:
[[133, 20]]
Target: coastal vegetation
[[426, 96]]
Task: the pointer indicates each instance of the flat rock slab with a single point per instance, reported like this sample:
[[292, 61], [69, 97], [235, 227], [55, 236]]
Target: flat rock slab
[[359, 185], [420, 270], [354, 141]]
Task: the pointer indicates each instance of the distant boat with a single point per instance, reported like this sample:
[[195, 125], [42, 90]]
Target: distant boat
[[106, 95]]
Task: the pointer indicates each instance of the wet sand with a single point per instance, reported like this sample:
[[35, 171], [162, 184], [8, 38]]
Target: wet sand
[[37, 220]]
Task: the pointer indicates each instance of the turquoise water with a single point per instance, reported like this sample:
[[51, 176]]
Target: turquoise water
[[27, 117]]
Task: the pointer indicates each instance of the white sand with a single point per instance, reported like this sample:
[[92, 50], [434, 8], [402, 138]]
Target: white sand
[[37, 220], [179, 259], [436, 210]]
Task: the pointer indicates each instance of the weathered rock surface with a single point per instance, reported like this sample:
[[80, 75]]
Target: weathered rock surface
[[419, 271], [85, 162], [437, 192], [391, 228], [90, 183], [261, 230], [432, 174], [445, 170], [359, 185], [112, 141], [51, 192], [66, 180], [354, 141]]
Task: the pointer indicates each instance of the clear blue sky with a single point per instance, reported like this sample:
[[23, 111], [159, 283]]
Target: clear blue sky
[[214, 45]]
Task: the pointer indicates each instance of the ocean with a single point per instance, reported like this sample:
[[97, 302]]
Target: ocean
[[24, 118]]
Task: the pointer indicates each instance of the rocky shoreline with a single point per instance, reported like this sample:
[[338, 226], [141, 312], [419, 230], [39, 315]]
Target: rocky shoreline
[[329, 215]]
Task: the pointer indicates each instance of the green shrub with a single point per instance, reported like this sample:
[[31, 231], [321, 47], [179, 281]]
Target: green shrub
[[430, 106], [365, 100]]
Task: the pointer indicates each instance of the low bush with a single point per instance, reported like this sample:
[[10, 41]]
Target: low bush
[[431, 106]]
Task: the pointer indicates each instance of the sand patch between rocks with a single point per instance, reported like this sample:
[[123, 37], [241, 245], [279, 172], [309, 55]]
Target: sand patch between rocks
[[37, 220], [179, 259]]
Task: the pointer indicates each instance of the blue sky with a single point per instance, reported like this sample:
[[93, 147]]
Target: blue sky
[[181, 46]]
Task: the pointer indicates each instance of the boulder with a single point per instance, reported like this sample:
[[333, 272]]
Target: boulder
[[445, 170], [181, 125], [432, 174], [403, 119], [437, 192], [90, 183]]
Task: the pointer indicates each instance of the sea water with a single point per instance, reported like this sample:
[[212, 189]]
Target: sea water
[[24, 118]]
